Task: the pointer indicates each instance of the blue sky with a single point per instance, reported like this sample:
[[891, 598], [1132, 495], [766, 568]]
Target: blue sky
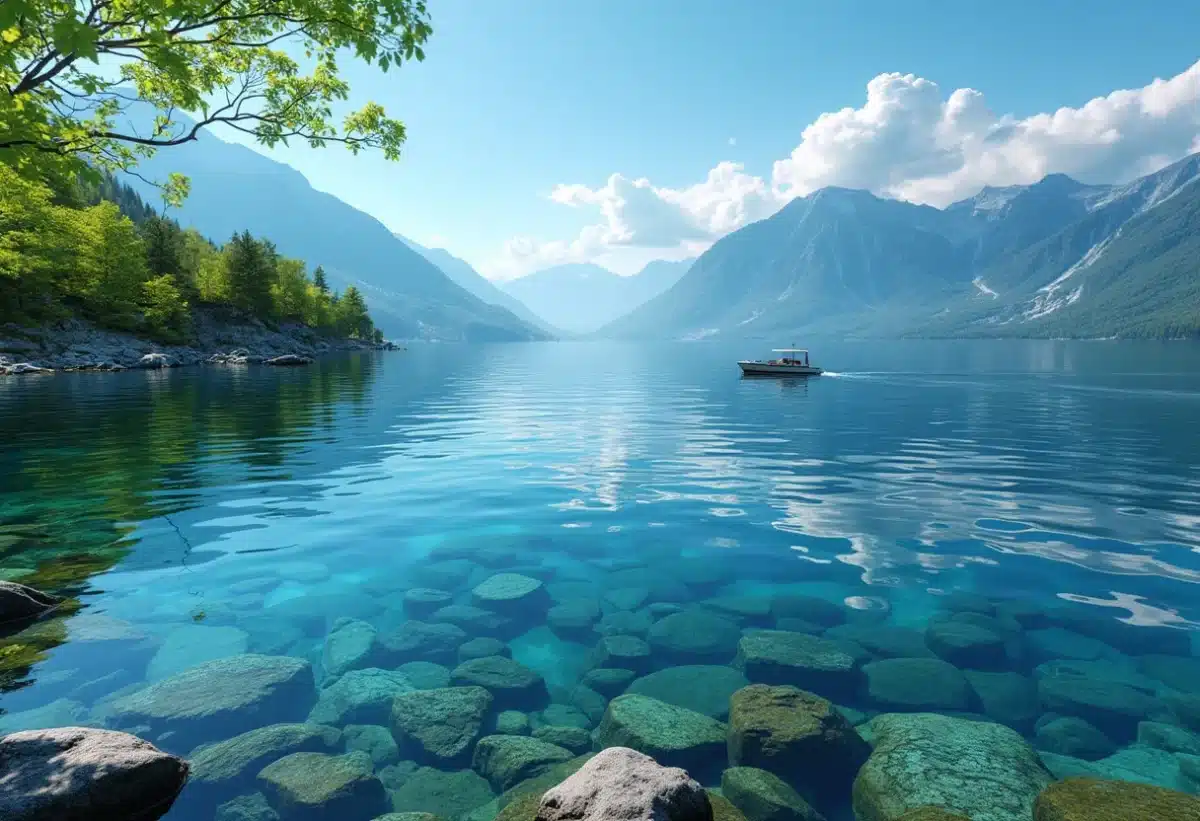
[[516, 99]]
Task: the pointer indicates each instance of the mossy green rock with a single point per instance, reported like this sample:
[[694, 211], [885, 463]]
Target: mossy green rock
[[511, 593], [315, 785], [251, 807], [625, 652], [797, 735], [227, 765], [695, 636], [408, 816], [917, 684], [513, 685], [446, 794], [704, 688], [507, 760], [723, 809], [811, 662], [442, 725], [764, 796], [524, 808], [984, 771], [609, 681], [932, 814], [360, 697], [511, 722], [576, 739], [672, 736], [1115, 708], [1093, 799]]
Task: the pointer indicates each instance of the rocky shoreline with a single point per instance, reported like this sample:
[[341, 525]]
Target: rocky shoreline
[[78, 345]]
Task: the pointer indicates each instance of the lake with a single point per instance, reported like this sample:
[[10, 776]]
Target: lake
[[999, 529]]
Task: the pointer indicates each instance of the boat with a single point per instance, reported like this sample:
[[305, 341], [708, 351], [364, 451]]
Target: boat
[[791, 362]]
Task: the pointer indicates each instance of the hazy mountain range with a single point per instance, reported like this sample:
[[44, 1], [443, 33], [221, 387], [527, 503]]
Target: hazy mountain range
[[1057, 258]]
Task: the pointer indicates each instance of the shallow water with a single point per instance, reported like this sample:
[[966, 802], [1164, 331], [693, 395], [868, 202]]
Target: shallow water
[[203, 513]]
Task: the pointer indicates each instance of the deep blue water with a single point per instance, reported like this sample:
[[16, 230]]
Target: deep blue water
[[202, 513]]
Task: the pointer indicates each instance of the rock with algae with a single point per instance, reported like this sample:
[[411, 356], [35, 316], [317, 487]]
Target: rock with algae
[[1093, 799]]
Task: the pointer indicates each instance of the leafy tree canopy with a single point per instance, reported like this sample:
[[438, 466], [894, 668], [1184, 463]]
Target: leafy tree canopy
[[70, 68]]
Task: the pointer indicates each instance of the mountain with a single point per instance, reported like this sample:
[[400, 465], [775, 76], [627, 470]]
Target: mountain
[[1056, 258], [465, 276], [234, 188], [582, 297]]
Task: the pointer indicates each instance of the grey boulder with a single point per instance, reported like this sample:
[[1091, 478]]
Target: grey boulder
[[625, 784]]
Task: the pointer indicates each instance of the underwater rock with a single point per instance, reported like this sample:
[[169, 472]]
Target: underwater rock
[[249, 807], [932, 814], [347, 647], [421, 602], [625, 623], [564, 715], [764, 796], [884, 640], [374, 740], [483, 647], [79, 774], [793, 625], [450, 574], [917, 684], [809, 662], [1186, 708], [425, 675], [694, 636], [703, 688], [623, 783], [445, 794], [609, 681], [574, 618], [407, 816], [229, 767], [288, 360], [418, 641], [589, 702], [1113, 707], [506, 760], [1104, 669], [673, 736], [1167, 737], [440, 726], [743, 609], [512, 594], [1074, 737], [19, 602], [1057, 643], [1177, 672], [1136, 640], [513, 685], [966, 645], [1091, 799], [984, 771], [808, 608], [360, 697], [220, 698], [627, 598], [1009, 698], [799, 737], [474, 620], [315, 785], [576, 739], [624, 652], [722, 809], [315, 613], [511, 722], [703, 575]]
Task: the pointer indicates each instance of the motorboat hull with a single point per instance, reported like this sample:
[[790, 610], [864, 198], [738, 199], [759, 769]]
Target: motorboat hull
[[776, 369]]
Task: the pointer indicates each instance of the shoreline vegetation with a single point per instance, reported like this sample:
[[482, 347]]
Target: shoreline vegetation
[[92, 278]]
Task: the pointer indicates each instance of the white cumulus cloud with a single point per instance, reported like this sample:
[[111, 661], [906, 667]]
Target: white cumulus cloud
[[909, 140]]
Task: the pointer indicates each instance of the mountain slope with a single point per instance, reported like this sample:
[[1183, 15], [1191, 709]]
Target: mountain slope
[[1057, 258], [582, 297], [465, 276], [235, 189]]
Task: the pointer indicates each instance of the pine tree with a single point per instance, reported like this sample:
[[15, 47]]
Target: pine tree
[[319, 280], [249, 275]]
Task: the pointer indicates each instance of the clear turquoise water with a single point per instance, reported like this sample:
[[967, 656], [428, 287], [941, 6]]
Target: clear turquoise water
[[248, 510]]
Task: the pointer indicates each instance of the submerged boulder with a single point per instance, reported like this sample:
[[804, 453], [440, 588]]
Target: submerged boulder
[[418, 641], [444, 794], [512, 594], [1093, 799], [1114, 707], [360, 697], [620, 783], [764, 796], [347, 647], [810, 662], [220, 698], [1009, 698], [506, 760], [671, 735], [695, 636], [700, 687], [228, 767], [440, 726], [984, 771], [1072, 736], [917, 684], [609, 681], [967, 645], [623, 652], [513, 685], [315, 785], [799, 737], [80, 774], [421, 602]]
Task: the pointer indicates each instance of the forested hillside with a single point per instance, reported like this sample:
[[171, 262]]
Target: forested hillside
[[94, 249]]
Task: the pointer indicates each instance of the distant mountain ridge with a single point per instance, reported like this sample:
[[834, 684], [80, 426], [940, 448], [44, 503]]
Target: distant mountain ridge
[[1056, 258], [234, 188], [581, 297]]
